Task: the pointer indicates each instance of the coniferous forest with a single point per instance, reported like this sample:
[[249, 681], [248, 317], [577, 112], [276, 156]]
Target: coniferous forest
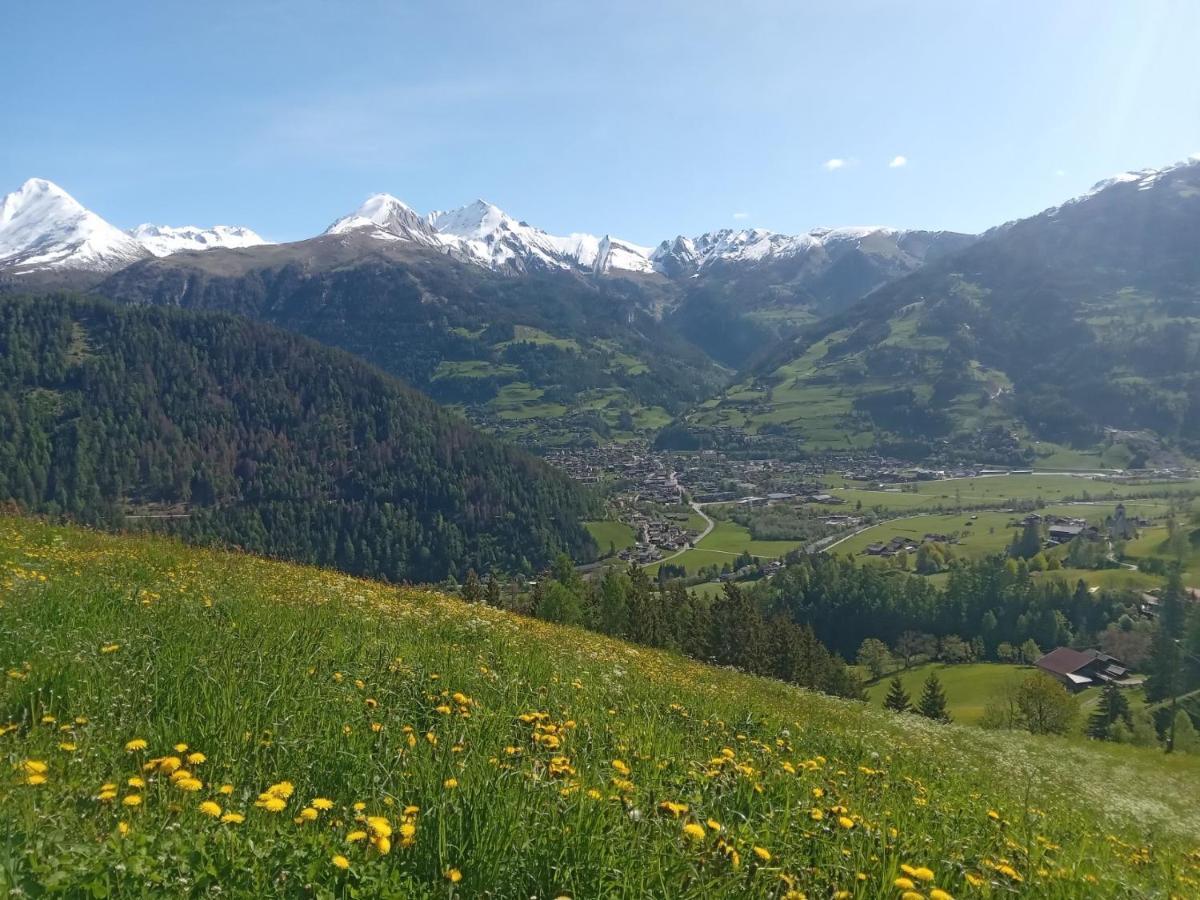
[[224, 430]]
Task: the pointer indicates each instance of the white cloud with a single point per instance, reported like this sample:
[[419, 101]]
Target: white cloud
[[898, 162], [834, 164], [1060, 172], [741, 215]]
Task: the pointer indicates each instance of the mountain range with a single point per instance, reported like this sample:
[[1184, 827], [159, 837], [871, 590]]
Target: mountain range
[[1073, 326]]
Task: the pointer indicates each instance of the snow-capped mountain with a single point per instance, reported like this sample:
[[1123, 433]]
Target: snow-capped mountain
[[384, 217], [42, 227], [756, 245], [482, 233], [163, 240]]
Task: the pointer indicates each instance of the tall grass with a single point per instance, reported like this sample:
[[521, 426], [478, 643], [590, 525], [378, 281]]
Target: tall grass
[[504, 756]]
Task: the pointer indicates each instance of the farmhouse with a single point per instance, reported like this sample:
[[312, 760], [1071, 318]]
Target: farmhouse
[[1079, 669]]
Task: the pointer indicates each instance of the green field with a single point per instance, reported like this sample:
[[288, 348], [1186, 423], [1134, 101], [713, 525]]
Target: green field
[[987, 533], [181, 722], [968, 686], [608, 533], [723, 544], [999, 489]]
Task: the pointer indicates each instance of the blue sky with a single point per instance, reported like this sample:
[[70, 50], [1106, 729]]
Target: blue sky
[[638, 119]]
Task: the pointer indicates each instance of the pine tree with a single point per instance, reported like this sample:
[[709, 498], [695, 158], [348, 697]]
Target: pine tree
[[472, 590], [1184, 738], [933, 700], [897, 698], [1112, 709], [1165, 657], [492, 594]]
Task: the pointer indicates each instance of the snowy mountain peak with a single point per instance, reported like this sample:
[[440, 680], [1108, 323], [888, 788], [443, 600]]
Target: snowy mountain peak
[[163, 240], [42, 227], [386, 217]]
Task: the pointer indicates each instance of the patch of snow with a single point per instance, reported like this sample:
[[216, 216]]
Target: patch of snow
[[163, 240]]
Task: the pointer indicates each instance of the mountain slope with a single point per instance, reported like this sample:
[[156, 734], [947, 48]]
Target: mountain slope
[[1083, 318], [743, 289], [235, 432], [42, 227], [505, 756], [549, 356]]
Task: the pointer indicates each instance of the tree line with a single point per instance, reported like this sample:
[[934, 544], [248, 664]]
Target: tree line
[[730, 630]]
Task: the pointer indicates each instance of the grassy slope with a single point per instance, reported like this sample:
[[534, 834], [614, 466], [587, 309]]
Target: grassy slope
[[276, 672], [967, 686], [608, 533]]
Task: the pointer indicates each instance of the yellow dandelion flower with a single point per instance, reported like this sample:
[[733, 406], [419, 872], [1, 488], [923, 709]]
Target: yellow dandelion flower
[[407, 830], [621, 767], [34, 767], [132, 800], [816, 814], [135, 745], [272, 804], [189, 784], [383, 845], [694, 830], [35, 779], [763, 854], [904, 883], [453, 876], [225, 789], [912, 895], [67, 747], [233, 818], [450, 783], [340, 862], [379, 826], [923, 874], [195, 759], [122, 828], [939, 894], [845, 821], [136, 782], [308, 814], [322, 803], [355, 836], [974, 880], [411, 810], [181, 748], [713, 824], [209, 808]]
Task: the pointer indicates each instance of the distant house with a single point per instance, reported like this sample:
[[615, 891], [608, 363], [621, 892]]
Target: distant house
[[1064, 534], [1079, 669]]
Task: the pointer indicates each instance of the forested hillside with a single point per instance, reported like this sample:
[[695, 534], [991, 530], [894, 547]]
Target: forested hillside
[[545, 358], [227, 430], [1083, 318]]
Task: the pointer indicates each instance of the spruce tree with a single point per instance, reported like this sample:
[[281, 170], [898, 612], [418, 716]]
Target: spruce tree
[[897, 698], [933, 700], [1112, 709], [1164, 680], [472, 590], [1184, 738]]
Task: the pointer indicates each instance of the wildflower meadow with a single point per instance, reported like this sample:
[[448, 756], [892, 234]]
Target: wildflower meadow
[[182, 722]]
